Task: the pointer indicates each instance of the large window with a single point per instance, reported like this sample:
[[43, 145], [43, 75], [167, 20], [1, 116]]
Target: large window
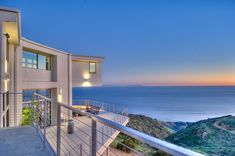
[[36, 61], [28, 94], [92, 67]]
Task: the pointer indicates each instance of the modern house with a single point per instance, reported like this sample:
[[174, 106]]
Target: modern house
[[28, 67], [40, 78]]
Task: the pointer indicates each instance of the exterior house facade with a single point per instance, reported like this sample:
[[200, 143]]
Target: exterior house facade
[[27, 67]]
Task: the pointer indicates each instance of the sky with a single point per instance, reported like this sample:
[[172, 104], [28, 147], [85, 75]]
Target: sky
[[146, 42]]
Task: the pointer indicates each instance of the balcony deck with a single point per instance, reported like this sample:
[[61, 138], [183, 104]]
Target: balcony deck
[[21, 141], [71, 143]]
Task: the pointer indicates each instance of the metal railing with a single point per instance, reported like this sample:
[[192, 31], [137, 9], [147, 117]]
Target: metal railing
[[10, 102], [91, 134], [103, 105]]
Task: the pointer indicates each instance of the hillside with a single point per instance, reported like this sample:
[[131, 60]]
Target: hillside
[[176, 126], [149, 126], [214, 136]]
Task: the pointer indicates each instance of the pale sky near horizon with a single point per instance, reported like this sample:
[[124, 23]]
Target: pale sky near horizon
[[151, 42]]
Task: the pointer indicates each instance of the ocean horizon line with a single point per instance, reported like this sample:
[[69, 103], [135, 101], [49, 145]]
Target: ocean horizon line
[[139, 85]]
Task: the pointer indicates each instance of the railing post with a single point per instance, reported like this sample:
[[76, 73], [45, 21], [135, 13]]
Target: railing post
[[102, 134], [58, 129], [44, 122], [80, 150], [107, 151], [38, 111], [93, 138]]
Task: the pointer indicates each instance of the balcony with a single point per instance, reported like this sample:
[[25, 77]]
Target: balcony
[[73, 131]]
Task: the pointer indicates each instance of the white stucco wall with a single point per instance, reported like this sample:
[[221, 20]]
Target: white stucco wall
[[11, 16], [58, 77], [36, 75], [81, 76]]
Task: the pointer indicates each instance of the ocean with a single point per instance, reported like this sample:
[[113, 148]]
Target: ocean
[[166, 103]]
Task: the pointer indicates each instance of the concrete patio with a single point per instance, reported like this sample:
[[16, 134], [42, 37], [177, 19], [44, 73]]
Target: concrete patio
[[21, 141]]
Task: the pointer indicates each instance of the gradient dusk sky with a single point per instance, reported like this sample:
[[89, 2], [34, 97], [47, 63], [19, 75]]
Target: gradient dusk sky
[[151, 42]]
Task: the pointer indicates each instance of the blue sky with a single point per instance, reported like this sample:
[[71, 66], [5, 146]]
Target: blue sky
[[152, 42]]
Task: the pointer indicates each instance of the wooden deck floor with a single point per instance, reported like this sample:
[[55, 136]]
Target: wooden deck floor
[[80, 141]]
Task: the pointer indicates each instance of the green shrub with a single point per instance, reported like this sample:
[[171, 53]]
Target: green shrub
[[30, 115], [27, 116]]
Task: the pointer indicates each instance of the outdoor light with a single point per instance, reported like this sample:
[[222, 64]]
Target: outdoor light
[[6, 84], [6, 66], [86, 84], [86, 76], [59, 96], [60, 91]]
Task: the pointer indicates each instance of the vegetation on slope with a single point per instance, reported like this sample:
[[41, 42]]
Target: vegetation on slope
[[212, 136], [176, 126], [146, 125], [149, 126], [127, 144]]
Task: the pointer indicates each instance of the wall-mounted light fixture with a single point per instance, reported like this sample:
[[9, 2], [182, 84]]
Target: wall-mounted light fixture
[[6, 66], [59, 97], [6, 84], [86, 76], [60, 91]]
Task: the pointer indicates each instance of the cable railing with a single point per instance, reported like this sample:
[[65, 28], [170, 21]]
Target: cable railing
[[91, 134], [9, 100], [103, 105]]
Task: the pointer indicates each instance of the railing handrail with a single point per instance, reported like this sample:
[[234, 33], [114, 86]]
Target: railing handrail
[[92, 101], [43, 97], [11, 93], [29, 102], [125, 110], [152, 141]]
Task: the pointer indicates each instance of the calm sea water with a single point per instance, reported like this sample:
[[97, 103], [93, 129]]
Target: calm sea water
[[166, 103]]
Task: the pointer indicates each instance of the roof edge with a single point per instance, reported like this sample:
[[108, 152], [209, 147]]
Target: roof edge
[[88, 56], [42, 45], [74, 56], [9, 9]]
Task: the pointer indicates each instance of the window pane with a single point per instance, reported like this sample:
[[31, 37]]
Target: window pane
[[92, 67], [45, 93], [41, 62], [29, 59], [36, 61], [48, 63], [28, 94], [29, 66]]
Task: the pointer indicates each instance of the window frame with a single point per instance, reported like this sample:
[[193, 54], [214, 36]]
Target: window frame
[[47, 63]]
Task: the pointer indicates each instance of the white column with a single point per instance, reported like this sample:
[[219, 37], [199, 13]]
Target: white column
[[12, 104], [18, 84]]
